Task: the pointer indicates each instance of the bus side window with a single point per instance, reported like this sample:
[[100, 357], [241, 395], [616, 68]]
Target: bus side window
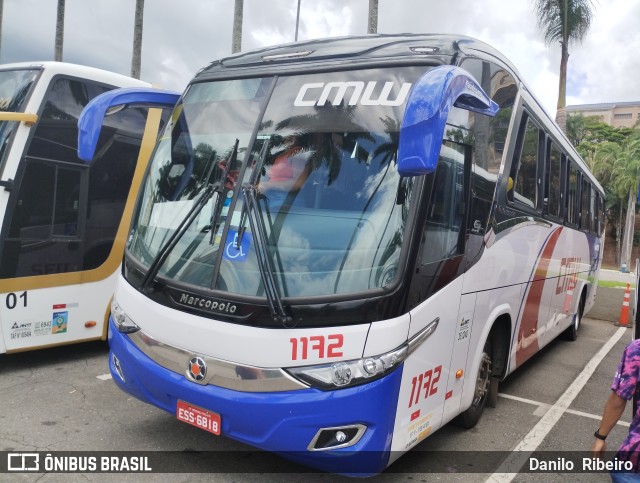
[[44, 233], [523, 176], [585, 222], [487, 136], [554, 179], [445, 213], [572, 195]]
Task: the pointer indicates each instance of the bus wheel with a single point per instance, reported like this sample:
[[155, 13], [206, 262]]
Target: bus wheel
[[471, 416], [492, 395], [571, 333]]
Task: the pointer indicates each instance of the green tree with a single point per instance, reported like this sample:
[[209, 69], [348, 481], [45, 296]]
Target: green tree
[[618, 166], [563, 21], [576, 129], [587, 133]]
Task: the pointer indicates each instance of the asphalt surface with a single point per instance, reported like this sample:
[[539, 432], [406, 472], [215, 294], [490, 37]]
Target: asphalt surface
[[63, 399]]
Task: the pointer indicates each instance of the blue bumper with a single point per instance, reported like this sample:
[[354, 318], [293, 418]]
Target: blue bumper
[[283, 422]]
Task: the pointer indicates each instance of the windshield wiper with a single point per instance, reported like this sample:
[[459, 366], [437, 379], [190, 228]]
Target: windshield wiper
[[194, 211], [253, 181], [219, 188], [278, 312], [163, 253]]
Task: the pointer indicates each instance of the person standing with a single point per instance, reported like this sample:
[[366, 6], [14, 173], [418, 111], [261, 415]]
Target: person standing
[[623, 388]]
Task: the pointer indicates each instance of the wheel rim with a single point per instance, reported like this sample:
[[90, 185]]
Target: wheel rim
[[483, 379]]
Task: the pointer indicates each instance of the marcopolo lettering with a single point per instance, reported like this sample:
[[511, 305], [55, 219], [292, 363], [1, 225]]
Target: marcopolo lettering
[[318, 93], [207, 304]]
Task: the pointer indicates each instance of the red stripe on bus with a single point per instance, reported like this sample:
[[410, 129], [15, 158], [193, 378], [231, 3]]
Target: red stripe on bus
[[527, 343]]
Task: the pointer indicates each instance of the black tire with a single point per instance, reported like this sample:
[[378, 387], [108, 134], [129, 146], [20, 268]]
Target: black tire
[[471, 416], [492, 395], [571, 332]]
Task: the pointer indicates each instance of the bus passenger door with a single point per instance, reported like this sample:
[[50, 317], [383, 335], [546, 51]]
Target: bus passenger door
[[436, 291]]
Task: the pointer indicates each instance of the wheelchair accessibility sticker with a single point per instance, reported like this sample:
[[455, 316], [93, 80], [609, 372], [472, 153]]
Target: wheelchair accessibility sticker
[[232, 251]]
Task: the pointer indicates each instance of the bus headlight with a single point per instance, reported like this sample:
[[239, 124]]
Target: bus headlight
[[350, 373], [360, 371], [121, 319]]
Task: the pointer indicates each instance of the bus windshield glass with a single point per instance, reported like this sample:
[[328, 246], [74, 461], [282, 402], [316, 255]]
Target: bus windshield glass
[[322, 169], [15, 86]]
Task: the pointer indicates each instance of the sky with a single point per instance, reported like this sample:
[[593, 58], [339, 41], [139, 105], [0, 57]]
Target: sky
[[182, 36]]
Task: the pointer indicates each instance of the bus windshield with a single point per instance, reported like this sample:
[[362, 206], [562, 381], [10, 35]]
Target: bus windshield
[[321, 162], [15, 86]]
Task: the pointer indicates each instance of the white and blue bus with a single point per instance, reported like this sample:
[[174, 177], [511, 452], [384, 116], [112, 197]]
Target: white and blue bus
[[64, 222], [343, 244]]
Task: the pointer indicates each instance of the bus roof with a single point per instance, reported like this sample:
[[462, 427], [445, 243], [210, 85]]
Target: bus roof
[[371, 51], [76, 70], [359, 51]]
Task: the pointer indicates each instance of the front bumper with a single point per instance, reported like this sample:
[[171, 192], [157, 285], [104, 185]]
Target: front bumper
[[285, 422]]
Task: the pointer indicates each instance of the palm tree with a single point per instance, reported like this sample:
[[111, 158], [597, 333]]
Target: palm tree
[[59, 31], [563, 21], [297, 21], [373, 17], [136, 58], [620, 162], [236, 40]]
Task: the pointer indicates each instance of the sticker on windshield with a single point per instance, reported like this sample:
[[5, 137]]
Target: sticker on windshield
[[234, 252]]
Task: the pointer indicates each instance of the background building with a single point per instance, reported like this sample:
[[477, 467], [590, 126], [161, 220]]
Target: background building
[[616, 114]]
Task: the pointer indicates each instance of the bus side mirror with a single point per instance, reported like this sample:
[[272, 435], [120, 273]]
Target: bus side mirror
[[425, 116], [92, 117]]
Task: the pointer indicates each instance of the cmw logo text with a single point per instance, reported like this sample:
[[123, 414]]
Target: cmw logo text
[[318, 93]]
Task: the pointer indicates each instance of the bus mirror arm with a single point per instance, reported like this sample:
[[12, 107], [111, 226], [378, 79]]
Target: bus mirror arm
[[7, 185], [425, 116], [92, 117]]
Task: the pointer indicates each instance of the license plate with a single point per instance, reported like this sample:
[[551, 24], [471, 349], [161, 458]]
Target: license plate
[[198, 417]]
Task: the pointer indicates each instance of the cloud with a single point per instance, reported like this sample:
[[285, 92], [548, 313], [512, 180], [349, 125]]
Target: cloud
[[179, 38]]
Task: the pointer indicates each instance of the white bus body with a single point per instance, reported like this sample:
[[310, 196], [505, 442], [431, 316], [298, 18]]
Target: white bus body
[[64, 222], [342, 245]]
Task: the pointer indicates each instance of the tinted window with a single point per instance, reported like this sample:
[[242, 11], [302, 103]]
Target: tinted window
[[487, 135], [593, 210], [572, 196], [43, 235], [523, 180], [444, 217], [554, 180], [15, 86], [585, 211], [59, 198], [329, 195]]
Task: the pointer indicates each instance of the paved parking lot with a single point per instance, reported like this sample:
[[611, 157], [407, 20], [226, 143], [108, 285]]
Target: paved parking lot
[[64, 400]]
